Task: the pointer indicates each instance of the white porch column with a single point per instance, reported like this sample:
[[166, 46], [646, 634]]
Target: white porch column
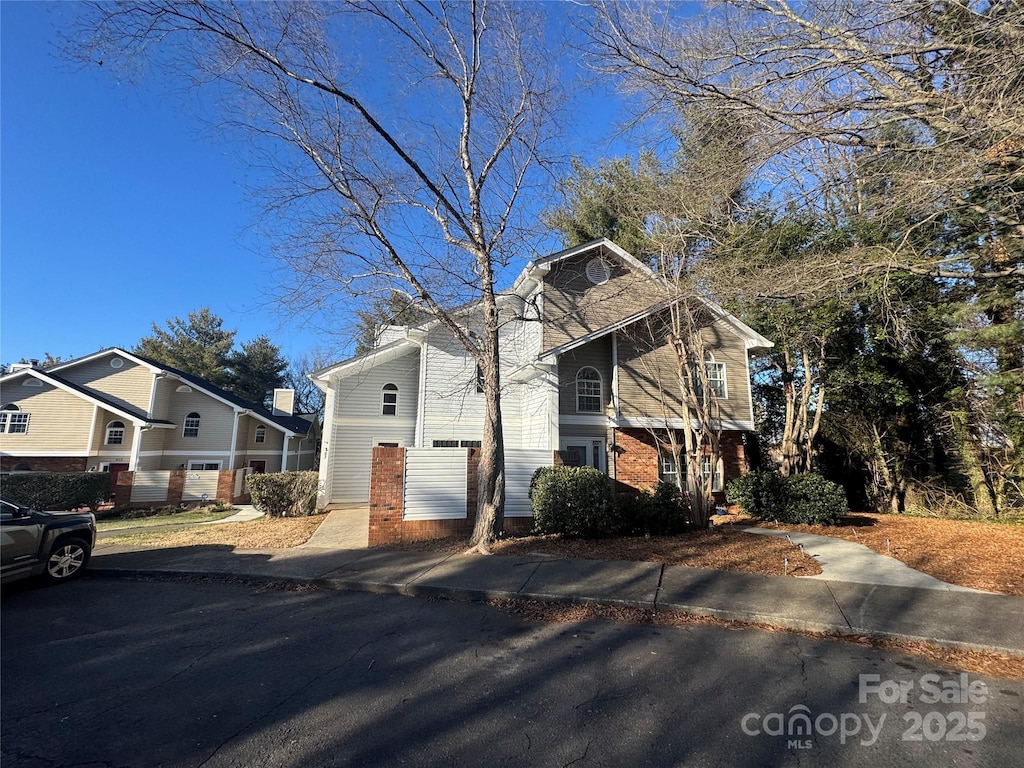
[[325, 489], [284, 451], [234, 442], [92, 433], [133, 462]]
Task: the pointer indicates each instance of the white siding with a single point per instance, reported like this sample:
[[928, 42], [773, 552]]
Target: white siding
[[519, 468], [198, 483], [150, 486], [435, 484], [357, 424]]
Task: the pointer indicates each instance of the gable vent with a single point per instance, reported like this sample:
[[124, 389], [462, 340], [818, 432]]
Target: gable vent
[[598, 271]]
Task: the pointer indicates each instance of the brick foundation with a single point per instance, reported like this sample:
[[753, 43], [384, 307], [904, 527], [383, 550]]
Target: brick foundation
[[636, 458], [43, 463]]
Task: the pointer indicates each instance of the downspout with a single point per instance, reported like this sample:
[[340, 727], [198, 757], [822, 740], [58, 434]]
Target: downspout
[[421, 397]]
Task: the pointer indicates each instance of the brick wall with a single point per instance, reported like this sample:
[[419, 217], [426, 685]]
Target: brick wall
[[387, 482], [44, 463], [636, 458]]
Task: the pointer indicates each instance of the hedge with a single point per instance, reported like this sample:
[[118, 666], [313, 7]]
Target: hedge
[[59, 491], [796, 499], [284, 494], [661, 511], [573, 501]]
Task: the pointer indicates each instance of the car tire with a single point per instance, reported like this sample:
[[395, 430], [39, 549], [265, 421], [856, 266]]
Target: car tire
[[67, 560]]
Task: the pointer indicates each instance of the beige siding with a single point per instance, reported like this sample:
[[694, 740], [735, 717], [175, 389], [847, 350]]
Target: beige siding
[[216, 423], [597, 354], [574, 307], [164, 395], [648, 379], [130, 385], [59, 422]]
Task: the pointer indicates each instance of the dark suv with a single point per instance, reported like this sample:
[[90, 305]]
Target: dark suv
[[55, 545]]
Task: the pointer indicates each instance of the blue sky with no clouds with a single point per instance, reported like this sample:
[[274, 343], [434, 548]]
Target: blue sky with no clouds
[[119, 209]]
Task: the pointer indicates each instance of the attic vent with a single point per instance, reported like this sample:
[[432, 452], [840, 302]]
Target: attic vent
[[116, 362], [598, 272], [184, 388], [31, 383]]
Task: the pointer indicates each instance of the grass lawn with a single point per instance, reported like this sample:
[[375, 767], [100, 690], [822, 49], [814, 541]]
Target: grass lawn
[[201, 515], [981, 555], [264, 533]]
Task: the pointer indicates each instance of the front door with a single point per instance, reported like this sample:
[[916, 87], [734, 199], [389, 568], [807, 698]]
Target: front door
[[258, 467], [583, 452]]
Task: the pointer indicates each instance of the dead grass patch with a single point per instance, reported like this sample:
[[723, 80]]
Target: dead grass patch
[[718, 548], [982, 663], [981, 555], [264, 533]]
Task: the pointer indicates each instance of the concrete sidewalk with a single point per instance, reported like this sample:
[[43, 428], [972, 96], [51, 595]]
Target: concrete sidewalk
[[974, 621]]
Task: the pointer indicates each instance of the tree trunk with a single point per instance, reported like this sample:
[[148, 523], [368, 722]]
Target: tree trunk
[[490, 508]]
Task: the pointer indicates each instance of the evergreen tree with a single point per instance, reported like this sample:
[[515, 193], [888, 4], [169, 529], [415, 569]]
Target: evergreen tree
[[198, 345], [256, 370]]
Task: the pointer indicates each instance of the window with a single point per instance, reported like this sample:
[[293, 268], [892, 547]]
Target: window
[[716, 379], [191, 425], [705, 470], [446, 443], [13, 421], [199, 466], [389, 400], [588, 391], [115, 433], [261, 434], [667, 468], [470, 443]]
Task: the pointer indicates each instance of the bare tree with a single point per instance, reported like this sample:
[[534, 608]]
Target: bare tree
[[921, 98], [410, 181]]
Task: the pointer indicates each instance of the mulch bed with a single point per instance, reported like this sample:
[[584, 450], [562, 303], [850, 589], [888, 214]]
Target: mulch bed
[[718, 548], [981, 555]]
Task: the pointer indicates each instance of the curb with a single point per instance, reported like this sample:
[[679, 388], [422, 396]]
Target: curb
[[754, 620]]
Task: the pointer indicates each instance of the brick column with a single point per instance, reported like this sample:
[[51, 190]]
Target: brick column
[[123, 489], [226, 485], [387, 490], [176, 486]]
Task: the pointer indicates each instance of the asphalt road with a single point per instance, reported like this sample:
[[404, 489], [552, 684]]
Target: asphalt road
[[108, 672]]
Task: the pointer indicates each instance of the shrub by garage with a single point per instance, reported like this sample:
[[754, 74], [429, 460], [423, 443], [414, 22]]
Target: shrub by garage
[[58, 491], [809, 499], [284, 494]]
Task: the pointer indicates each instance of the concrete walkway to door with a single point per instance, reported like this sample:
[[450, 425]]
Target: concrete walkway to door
[[346, 527]]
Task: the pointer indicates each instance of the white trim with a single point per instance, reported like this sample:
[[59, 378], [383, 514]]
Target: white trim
[[101, 353], [643, 422], [390, 386], [600, 389], [152, 396], [192, 452], [108, 427], [750, 395], [184, 424], [343, 421], [69, 454], [127, 457], [385, 354], [421, 404], [615, 373], [284, 455]]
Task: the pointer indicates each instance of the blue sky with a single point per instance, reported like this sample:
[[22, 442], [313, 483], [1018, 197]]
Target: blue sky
[[118, 209]]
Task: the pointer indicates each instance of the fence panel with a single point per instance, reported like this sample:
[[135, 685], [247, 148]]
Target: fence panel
[[520, 464], [435, 484], [150, 486], [198, 483]]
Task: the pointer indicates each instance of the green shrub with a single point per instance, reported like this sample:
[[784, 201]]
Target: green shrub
[[284, 494], [662, 511], [58, 490], [809, 498], [573, 501]]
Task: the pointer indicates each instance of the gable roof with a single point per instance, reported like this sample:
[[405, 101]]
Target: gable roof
[[132, 414], [293, 424]]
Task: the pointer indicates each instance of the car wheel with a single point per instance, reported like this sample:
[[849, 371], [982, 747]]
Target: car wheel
[[67, 560]]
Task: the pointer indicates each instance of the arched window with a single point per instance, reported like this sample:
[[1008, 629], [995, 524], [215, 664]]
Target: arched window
[[715, 376], [589, 397], [115, 433], [191, 426], [389, 400], [261, 434], [12, 420]]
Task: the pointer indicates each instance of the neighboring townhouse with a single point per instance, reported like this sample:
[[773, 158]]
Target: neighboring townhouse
[[584, 368], [115, 410]]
